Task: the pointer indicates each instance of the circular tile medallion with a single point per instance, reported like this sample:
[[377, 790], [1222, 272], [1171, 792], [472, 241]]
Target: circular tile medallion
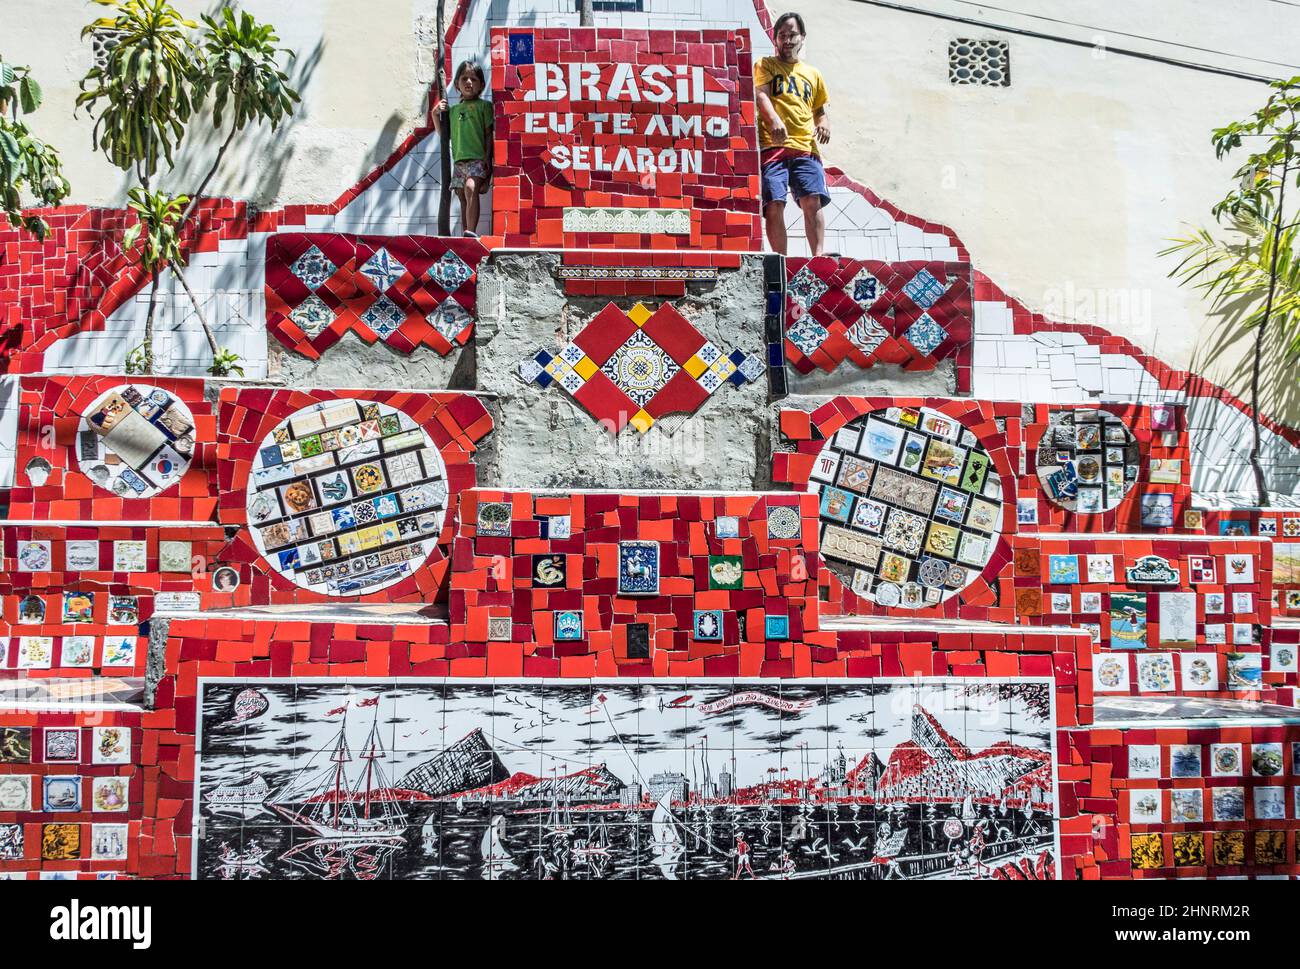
[[347, 497], [1087, 460], [910, 506], [135, 441]]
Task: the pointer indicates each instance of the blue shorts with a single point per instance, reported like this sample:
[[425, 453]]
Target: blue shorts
[[802, 174]]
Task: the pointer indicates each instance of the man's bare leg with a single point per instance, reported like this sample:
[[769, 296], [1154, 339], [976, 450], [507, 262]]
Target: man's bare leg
[[774, 216], [814, 223]]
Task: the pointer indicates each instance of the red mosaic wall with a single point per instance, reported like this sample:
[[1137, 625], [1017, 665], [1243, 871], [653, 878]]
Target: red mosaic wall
[[50, 410], [493, 578], [995, 425], [417, 296], [1165, 440], [530, 192], [1281, 649], [100, 754], [103, 585], [862, 311], [1280, 526], [1029, 585], [454, 422], [1109, 827]]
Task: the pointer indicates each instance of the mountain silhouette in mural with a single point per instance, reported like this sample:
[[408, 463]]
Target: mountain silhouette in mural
[[468, 763], [589, 784], [864, 779], [935, 765]]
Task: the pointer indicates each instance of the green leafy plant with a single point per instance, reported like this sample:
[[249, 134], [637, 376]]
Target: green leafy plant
[[140, 360], [142, 94], [156, 233], [26, 162], [1252, 275], [156, 79], [225, 363]]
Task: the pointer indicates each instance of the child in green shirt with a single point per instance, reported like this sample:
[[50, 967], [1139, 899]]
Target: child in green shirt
[[471, 141]]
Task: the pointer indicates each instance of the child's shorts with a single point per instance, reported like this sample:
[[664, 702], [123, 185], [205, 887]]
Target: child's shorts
[[469, 168], [802, 174]]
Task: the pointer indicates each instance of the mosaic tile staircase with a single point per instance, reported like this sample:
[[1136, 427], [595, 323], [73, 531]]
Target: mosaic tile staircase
[[537, 590]]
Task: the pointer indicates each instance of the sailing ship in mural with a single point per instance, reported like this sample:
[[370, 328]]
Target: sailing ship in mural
[[646, 779]]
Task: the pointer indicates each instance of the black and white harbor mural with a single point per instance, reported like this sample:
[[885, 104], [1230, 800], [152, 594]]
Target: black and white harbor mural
[[627, 779]]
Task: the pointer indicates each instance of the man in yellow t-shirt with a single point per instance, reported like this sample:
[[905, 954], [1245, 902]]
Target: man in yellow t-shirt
[[792, 122]]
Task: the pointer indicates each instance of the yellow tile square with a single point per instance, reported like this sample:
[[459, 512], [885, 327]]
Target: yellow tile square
[[641, 421], [695, 366], [585, 368], [638, 314]]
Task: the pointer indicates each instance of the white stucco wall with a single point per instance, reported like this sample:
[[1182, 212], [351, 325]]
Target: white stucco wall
[[1066, 184]]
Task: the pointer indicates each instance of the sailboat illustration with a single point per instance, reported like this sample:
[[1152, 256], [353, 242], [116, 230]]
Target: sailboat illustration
[[330, 806], [496, 859], [559, 821], [596, 843], [665, 841]]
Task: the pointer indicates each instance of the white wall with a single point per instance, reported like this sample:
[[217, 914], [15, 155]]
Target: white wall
[[1066, 184]]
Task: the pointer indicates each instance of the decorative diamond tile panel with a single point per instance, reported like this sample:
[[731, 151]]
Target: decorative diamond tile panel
[[807, 335], [312, 315], [751, 368], [398, 289], [451, 319], [864, 288], [641, 367], [805, 288], [382, 316], [925, 334], [924, 290], [867, 335], [908, 314]]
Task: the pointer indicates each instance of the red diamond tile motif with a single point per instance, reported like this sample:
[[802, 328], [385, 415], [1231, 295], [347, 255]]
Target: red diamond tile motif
[[640, 367], [408, 291], [912, 314]]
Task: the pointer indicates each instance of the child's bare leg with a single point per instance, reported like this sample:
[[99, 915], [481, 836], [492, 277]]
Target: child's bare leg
[[469, 204]]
